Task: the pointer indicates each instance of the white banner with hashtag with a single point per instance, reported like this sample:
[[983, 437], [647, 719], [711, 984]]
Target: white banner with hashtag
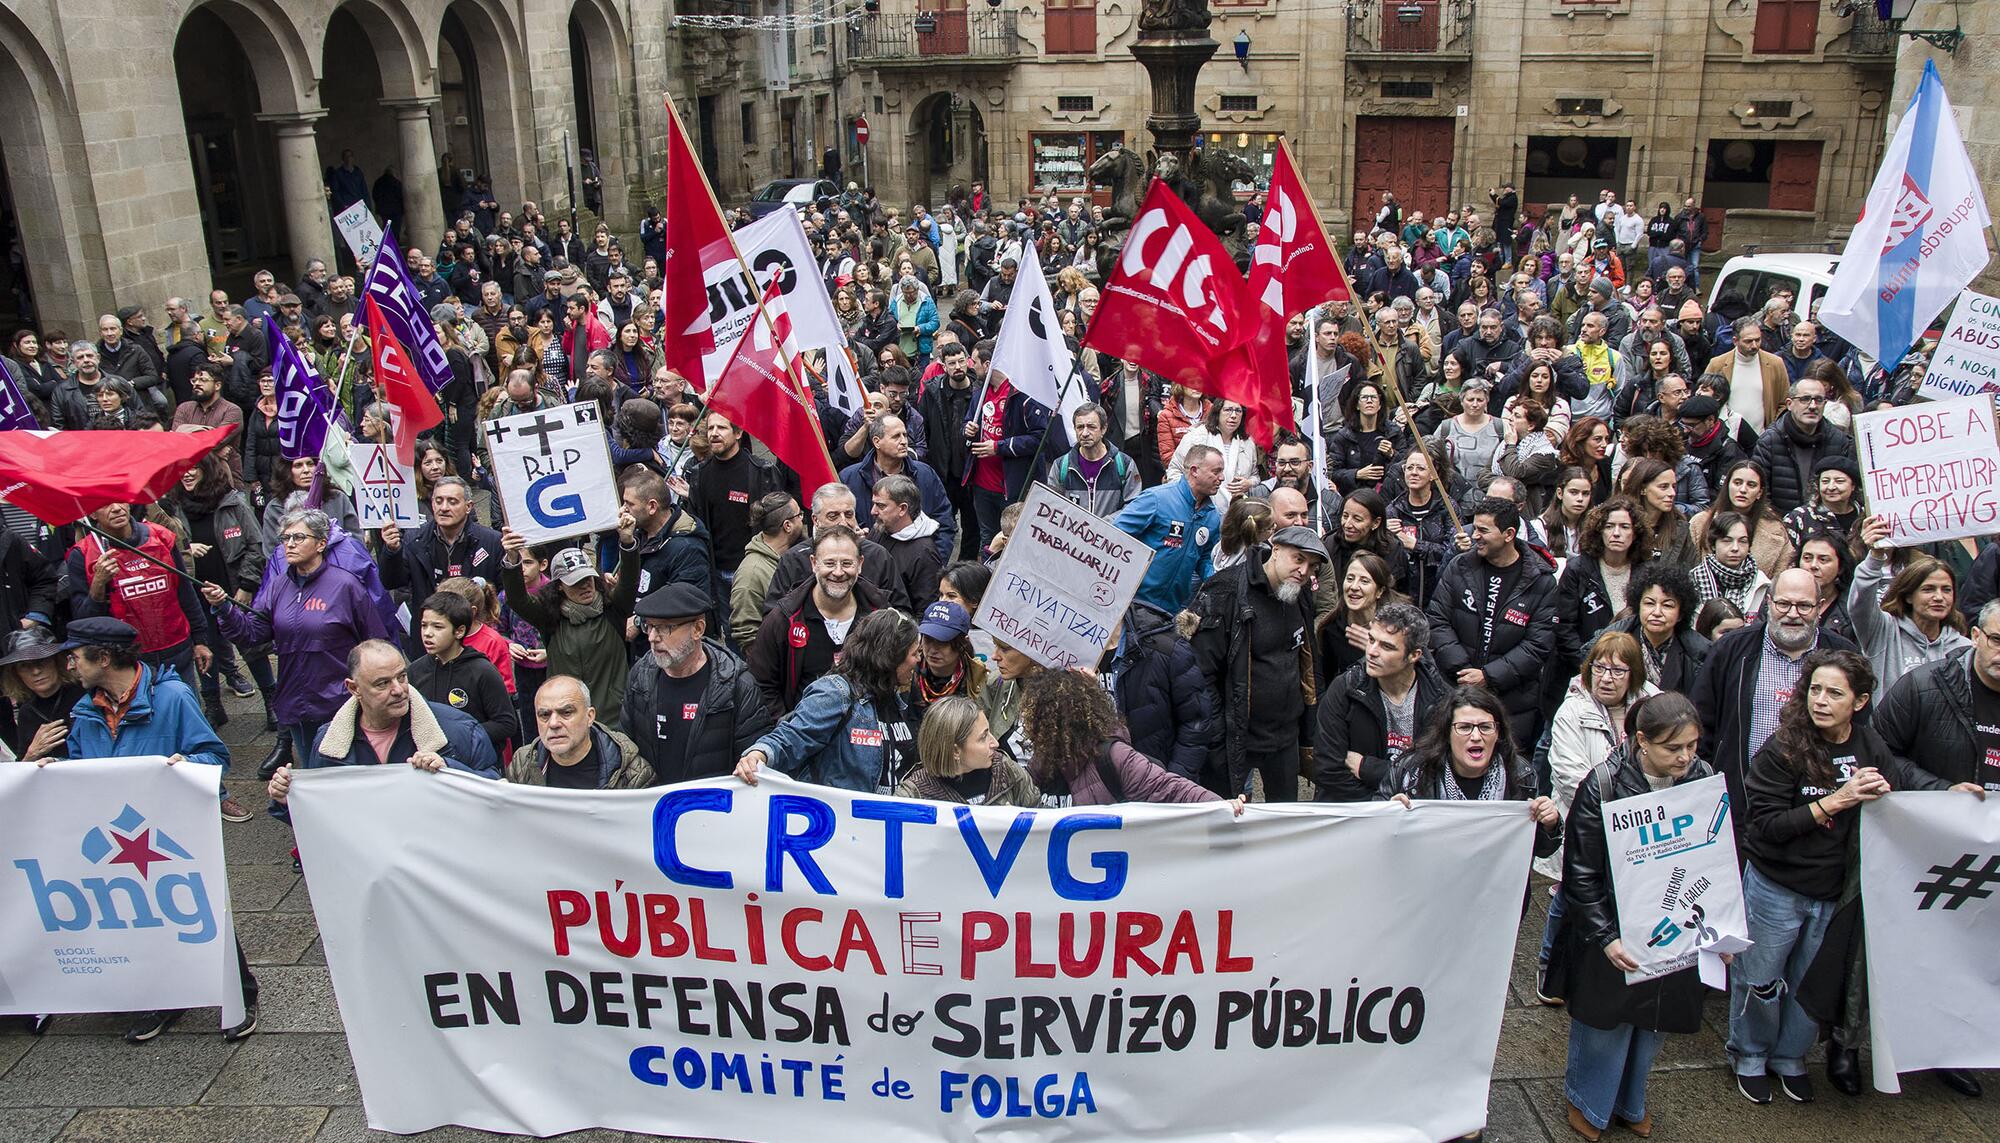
[[1930, 875]]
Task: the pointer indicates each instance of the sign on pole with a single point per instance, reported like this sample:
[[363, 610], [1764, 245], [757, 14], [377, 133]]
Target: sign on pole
[[1063, 582], [1673, 867], [1930, 469], [795, 963], [1967, 362], [552, 468], [363, 234], [385, 490], [116, 899]]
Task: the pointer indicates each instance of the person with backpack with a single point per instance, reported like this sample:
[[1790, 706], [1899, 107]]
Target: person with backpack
[[1096, 474]]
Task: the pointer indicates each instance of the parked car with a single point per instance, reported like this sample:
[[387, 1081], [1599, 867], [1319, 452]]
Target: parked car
[[801, 193]]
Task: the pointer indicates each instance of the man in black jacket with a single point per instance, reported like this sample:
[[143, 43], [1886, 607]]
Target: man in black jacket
[[448, 544], [1159, 691], [1253, 650], [723, 488], [943, 409], [1790, 449], [691, 705], [802, 635], [1493, 616], [1371, 715], [673, 545], [905, 532]]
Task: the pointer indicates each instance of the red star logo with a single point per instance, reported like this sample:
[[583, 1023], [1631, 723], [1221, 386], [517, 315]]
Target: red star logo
[[137, 852]]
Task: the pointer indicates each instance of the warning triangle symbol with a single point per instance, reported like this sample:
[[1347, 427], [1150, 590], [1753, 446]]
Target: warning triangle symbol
[[381, 469]]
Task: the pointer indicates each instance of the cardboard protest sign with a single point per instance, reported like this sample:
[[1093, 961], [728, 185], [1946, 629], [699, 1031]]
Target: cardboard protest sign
[[1930, 469], [362, 233], [552, 468], [1673, 867], [385, 490], [1063, 582], [1967, 362], [796, 963]]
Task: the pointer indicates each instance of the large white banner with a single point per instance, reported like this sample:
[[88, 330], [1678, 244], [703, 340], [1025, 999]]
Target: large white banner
[[1967, 362], [116, 899], [1673, 866], [789, 962], [385, 490], [1062, 583], [774, 244], [1932, 468], [553, 470], [1930, 862]]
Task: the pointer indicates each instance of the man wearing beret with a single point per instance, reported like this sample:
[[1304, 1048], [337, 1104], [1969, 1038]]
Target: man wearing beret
[[691, 704]]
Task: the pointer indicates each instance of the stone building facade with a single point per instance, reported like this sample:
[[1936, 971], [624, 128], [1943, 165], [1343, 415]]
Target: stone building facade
[[1770, 112], [1973, 82]]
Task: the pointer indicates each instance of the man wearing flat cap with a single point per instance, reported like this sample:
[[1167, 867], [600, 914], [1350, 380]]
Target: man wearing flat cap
[[690, 703], [1254, 647]]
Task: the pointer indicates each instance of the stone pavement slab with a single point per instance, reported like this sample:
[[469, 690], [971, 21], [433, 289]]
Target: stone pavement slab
[[100, 1071], [194, 1125], [281, 1069], [33, 1124]]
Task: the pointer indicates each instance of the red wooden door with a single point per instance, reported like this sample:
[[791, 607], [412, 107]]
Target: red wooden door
[[1408, 157], [948, 35], [1409, 25]]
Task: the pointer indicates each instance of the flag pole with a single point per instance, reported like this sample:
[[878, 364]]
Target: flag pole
[[791, 371], [125, 547], [1396, 393]]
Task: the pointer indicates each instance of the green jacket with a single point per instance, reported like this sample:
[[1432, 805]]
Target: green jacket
[[594, 650], [746, 596], [627, 772]]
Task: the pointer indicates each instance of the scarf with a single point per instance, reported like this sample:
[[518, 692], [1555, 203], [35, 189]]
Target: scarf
[[1491, 790], [1714, 581], [582, 613]]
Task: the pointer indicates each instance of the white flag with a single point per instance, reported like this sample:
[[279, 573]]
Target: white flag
[[843, 388], [1921, 238], [1030, 351]]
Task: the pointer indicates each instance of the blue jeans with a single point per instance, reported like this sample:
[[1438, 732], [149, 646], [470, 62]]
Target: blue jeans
[[1768, 1031], [1557, 907], [1607, 1071]]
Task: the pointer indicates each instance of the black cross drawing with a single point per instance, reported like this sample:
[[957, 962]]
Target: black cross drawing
[[542, 430]]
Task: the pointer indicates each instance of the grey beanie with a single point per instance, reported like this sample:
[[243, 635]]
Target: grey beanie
[[1602, 285]]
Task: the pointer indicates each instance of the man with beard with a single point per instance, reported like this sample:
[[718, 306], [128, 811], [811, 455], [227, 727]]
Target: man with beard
[[1251, 646], [1751, 672], [690, 704], [833, 506], [802, 635], [1291, 469], [1493, 615]]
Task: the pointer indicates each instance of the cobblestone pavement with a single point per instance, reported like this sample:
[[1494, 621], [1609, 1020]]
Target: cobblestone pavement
[[293, 1081]]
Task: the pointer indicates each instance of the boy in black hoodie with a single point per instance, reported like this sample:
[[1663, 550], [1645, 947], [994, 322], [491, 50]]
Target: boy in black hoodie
[[459, 676]]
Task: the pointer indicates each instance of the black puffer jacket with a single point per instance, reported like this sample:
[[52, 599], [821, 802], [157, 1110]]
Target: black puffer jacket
[[1725, 691], [1789, 466], [1926, 717], [1352, 448], [1352, 718], [1160, 692], [1222, 648], [1524, 627], [1596, 991], [730, 718], [1437, 542], [1583, 608]]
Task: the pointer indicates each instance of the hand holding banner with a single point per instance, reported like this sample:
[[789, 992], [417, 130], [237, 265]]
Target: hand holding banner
[[385, 489], [1673, 867]]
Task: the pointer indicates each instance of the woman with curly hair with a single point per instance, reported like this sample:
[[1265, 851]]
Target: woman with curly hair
[[960, 762], [1082, 757], [1661, 604], [1466, 753], [1591, 590], [854, 728]]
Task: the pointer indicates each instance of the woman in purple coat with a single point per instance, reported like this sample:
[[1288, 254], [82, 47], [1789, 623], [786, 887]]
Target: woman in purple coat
[[313, 614], [1081, 756]]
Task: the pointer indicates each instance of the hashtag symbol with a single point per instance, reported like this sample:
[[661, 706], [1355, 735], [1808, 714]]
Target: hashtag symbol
[[1961, 881]]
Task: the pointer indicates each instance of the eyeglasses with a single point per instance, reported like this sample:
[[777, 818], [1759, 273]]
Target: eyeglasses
[[1793, 605], [1612, 670], [290, 538], [1474, 729], [1809, 401]]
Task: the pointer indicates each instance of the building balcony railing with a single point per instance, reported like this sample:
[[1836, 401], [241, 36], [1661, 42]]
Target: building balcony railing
[[1402, 29], [1871, 35], [956, 34]]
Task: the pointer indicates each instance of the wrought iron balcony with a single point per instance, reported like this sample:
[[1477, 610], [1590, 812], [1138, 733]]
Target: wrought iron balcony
[[1402, 29], [1871, 35], [958, 35]]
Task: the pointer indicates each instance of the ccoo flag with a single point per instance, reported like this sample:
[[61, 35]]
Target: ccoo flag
[[305, 408], [1030, 351], [389, 286], [1920, 239]]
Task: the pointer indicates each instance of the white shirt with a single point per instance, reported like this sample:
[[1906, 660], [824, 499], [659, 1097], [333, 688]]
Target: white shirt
[[1746, 389]]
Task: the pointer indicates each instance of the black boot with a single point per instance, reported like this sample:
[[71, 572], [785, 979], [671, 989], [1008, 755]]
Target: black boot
[[1959, 1080], [1843, 1068], [280, 755], [270, 718], [211, 705]]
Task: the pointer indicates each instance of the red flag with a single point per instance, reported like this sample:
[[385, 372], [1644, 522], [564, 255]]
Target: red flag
[[760, 392], [398, 385], [63, 477], [1293, 267], [1175, 303], [696, 238]]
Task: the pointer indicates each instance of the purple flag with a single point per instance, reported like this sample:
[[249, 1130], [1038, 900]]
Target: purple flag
[[305, 408], [403, 308], [14, 410]]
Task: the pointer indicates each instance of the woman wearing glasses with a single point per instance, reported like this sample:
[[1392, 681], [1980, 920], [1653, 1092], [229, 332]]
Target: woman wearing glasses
[[313, 613], [1467, 754]]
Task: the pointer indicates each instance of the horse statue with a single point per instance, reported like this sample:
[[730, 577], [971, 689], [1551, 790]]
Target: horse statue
[[1123, 172], [1215, 173]]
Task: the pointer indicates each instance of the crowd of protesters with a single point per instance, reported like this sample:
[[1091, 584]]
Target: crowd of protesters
[[1573, 536]]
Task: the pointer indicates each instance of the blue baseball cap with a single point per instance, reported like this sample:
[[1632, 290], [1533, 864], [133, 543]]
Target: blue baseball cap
[[944, 621]]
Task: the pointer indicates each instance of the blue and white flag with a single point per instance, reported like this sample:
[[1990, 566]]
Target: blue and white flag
[[305, 408], [403, 308], [14, 410], [1921, 238]]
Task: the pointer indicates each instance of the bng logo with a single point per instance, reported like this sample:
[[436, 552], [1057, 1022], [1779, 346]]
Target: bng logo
[[140, 896]]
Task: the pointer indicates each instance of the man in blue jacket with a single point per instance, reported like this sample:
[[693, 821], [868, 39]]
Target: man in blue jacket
[[1179, 522], [131, 709], [889, 454]]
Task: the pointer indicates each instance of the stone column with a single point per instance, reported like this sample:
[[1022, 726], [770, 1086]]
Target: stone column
[[421, 201], [302, 187]]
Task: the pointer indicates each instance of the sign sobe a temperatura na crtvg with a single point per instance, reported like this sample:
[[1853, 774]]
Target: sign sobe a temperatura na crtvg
[[553, 471]]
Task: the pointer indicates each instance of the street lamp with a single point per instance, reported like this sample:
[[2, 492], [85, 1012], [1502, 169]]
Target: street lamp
[[1242, 43], [1946, 39]]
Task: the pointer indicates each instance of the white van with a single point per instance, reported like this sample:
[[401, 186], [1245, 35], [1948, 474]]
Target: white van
[[1755, 277]]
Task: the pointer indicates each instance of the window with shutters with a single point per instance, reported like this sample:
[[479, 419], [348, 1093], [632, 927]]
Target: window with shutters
[[1071, 27], [1786, 27], [1795, 175], [1762, 174]]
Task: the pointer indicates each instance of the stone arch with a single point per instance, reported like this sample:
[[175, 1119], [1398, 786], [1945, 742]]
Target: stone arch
[[493, 42], [406, 67], [602, 86], [287, 81], [41, 141]]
